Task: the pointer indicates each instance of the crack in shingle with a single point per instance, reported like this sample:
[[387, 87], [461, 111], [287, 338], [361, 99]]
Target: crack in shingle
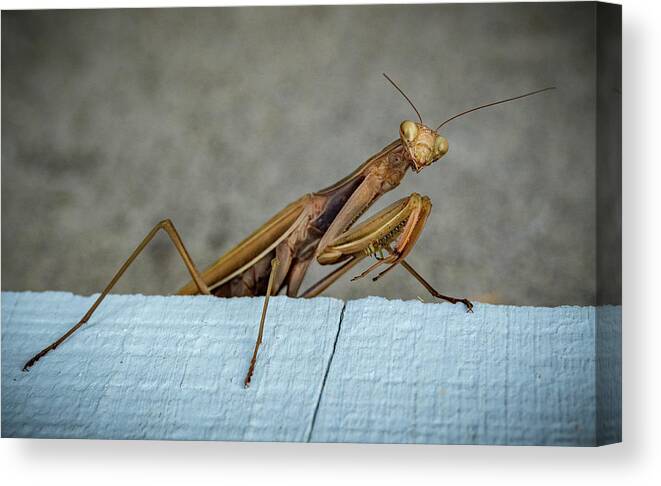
[[328, 366]]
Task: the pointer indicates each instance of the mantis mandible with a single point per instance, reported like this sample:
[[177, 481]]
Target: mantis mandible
[[320, 226]]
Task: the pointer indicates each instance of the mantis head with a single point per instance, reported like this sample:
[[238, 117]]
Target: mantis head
[[422, 145]]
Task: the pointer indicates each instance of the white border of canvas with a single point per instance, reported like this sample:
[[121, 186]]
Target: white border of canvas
[[635, 461]]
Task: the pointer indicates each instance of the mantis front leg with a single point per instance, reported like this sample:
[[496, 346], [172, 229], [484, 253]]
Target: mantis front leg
[[400, 223]]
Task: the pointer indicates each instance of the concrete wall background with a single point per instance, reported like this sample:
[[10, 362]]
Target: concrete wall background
[[217, 118]]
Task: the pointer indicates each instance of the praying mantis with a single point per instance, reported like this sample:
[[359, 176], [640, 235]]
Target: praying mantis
[[320, 226]]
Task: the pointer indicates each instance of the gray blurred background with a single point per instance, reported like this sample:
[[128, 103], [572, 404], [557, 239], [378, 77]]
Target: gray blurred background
[[217, 118]]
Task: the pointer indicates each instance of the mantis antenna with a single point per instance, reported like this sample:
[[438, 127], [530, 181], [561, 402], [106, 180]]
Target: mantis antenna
[[492, 104], [404, 95]]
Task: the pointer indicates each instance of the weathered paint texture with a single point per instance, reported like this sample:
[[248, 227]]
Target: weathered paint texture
[[369, 370]]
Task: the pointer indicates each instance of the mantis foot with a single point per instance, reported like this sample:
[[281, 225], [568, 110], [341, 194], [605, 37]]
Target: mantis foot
[[468, 304], [37, 357], [454, 300]]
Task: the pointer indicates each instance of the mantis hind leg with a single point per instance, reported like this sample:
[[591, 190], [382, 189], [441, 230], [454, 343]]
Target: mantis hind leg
[[165, 225]]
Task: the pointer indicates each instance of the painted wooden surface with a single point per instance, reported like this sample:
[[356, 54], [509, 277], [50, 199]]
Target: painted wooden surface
[[370, 370], [164, 367]]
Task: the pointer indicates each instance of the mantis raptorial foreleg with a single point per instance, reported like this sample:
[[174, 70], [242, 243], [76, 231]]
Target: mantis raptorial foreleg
[[401, 223], [165, 225], [296, 275]]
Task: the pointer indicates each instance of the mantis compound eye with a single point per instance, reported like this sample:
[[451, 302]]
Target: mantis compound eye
[[409, 130], [440, 146]]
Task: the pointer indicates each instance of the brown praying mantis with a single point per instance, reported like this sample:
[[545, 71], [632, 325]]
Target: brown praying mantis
[[320, 226]]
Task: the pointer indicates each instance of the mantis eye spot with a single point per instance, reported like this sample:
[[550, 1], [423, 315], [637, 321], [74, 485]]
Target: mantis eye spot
[[440, 146], [409, 130]]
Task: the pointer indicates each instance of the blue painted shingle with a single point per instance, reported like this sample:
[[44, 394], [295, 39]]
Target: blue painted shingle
[[373, 371]]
